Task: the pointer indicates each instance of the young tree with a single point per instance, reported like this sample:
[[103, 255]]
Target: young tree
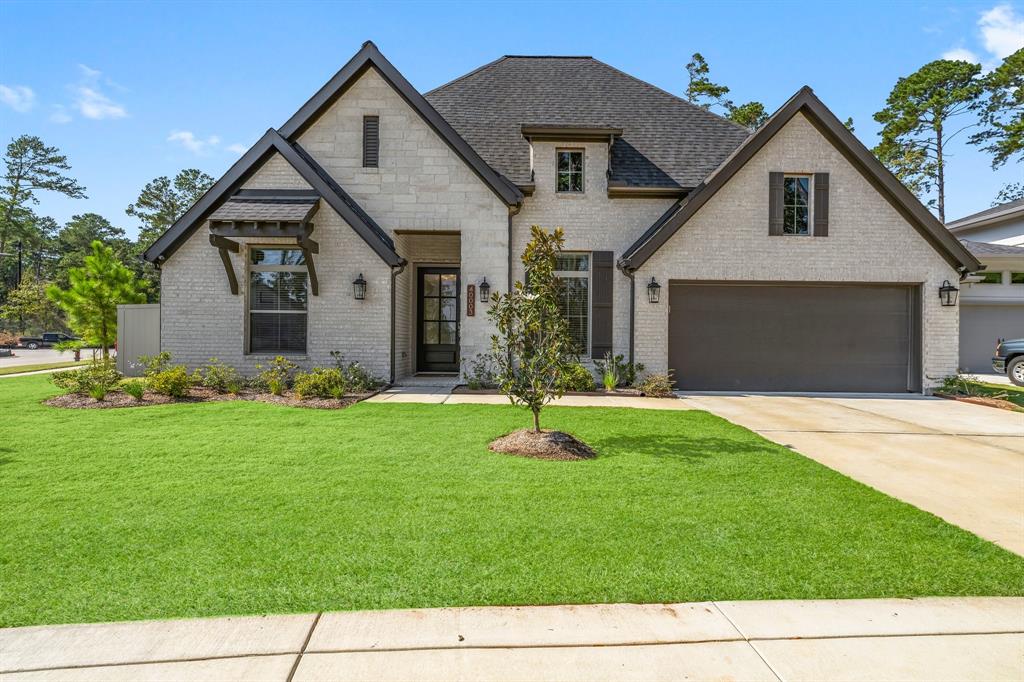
[[92, 298], [31, 166], [533, 347], [30, 308], [916, 122], [1002, 111]]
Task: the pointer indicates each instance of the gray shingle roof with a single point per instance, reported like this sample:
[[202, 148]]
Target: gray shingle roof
[[666, 141], [981, 249], [1009, 208], [266, 211]]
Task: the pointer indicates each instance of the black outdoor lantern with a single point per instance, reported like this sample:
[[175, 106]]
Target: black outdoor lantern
[[359, 288], [948, 293], [653, 291], [485, 291]]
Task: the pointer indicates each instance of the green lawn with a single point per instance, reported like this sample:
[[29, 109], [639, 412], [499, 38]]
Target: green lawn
[[18, 369], [233, 508]]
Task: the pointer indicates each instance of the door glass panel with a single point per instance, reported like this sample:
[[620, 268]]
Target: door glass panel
[[448, 332], [430, 285], [448, 286], [430, 332], [448, 311], [430, 309]]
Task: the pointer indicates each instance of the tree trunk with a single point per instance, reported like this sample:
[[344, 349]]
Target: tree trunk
[[939, 165], [536, 419]]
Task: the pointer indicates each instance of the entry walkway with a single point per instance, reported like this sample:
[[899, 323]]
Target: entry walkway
[[892, 639]]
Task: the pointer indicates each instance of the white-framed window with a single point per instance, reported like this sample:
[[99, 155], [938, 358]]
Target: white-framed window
[[989, 276], [278, 296], [569, 171], [573, 269], [796, 204]]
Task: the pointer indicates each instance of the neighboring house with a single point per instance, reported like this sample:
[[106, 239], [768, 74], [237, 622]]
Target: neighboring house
[[789, 259], [992, 301]]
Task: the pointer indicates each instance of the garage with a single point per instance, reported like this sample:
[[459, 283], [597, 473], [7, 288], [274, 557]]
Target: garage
[[748, 336], [981, 326]]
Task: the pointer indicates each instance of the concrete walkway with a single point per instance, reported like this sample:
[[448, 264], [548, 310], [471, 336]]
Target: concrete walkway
[[443, 395], [893, 639]]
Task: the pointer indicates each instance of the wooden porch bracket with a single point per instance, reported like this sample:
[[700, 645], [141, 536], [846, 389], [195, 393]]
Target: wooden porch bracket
[[223, 246], [309, 247]]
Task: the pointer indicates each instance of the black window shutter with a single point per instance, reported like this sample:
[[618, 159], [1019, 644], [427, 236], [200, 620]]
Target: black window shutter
[[821, 204], [774, 204], [371, 141], [601, 277]]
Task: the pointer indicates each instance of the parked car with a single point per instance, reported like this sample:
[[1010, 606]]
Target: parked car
[[47, 340], [1009, 360]]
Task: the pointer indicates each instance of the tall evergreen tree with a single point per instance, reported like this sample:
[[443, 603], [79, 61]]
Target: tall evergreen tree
[[162, 201], [702, 91], [917, 120]]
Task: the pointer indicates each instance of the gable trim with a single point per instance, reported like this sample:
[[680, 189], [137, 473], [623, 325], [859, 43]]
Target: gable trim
[[369, 56], [243, 169], [805, 101]]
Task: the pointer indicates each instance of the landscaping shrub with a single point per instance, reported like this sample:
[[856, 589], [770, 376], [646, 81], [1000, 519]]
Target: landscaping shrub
[[576, 377], [155, 363], [616, 372], [320, 382], [657, 385], [480, 371], [357, 378], [277, 376], [219, 377], [173, 381], [97, 392], [134, 387], [97, 374]]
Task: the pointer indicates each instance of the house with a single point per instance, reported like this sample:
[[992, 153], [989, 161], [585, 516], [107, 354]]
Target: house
[[992, 301], [375, 220]]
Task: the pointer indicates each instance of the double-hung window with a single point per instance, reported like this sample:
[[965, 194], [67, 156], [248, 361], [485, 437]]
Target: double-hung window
[[569, 171], [573, 269], [796, 204], [277, 300]]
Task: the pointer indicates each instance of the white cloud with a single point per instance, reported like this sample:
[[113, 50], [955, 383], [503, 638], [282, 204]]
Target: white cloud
[[60, 115], [189, 141], [237, 149], [961, 54], [18, 97], [93, 104], [89, 73], [1002, 31]]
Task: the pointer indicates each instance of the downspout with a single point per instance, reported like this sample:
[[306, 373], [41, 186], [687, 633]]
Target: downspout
[[628, 272], [396, 270]]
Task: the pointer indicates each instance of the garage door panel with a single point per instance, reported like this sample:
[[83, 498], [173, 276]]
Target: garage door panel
[[790, 337], [981, 326]]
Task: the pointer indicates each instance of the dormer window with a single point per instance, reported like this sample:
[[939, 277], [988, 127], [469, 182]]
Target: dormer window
[[570, 171]]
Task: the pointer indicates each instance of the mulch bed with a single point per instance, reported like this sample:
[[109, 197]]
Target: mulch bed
[[625, 392], [982, 400], [551, 445], [199, 395]]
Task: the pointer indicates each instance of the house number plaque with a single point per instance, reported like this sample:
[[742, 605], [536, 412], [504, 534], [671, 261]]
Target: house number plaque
[[470, 300]]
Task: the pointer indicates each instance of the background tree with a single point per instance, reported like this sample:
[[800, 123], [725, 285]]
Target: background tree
[[750, 115], [93, 295], [31, 309], [1010, 192], [31, 166], [73, 243], [1001, 113], [533, 347], [916, 124], [702, 91]]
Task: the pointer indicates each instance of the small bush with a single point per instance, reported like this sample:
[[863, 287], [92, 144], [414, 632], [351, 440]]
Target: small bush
[[276, 376], [480, 371], [235, 386], [357, 378], [97, 374], [173, 381], [134, 387], [219, 377], [320, 382], [97, 392], [155, 363], [657, 385], [576, 377], [616, 372]]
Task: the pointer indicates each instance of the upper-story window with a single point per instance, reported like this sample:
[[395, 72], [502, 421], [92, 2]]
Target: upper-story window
[[277, 300], [570, 170], [1017, 278], [989, 277], [796, 204]]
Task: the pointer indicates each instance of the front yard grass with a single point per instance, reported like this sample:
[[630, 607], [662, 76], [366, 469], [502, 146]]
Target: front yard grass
[[244, 508], [18, 369]]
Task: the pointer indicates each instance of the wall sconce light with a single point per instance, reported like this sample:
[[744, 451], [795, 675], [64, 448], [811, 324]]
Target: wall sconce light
[[359, 288], [653, 291], [948, 293], [485, 291]]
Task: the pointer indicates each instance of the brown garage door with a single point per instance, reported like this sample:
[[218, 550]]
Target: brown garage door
[[793, 337]]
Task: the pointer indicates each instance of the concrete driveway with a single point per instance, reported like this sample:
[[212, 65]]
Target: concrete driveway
[[962, 462]]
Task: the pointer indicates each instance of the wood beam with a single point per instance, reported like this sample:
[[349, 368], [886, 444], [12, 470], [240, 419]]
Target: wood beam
[[223, 246]]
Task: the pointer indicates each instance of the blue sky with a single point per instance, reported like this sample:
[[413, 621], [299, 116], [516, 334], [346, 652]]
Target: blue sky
[[131, 91]]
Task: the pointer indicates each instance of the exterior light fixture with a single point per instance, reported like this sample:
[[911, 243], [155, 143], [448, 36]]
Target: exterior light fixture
[[948, 293], [653, 291], [359, 288], [485, 291]]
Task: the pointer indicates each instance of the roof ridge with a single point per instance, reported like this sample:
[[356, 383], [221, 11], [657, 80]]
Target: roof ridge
[[466, 75]]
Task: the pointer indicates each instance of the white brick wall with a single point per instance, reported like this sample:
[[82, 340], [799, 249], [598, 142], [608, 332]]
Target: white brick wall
[[868, 242]]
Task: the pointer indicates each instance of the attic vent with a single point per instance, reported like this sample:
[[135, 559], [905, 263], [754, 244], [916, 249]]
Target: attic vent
[[371, 141]]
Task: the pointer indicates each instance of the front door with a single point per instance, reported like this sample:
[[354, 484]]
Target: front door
[[437, 344]]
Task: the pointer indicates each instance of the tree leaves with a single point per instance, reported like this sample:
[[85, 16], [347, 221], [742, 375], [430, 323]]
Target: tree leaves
[[1002, 111]]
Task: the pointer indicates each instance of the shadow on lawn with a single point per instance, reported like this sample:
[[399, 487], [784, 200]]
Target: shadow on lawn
[[685, 449]]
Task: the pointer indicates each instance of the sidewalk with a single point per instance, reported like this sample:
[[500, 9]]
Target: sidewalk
[[443, 394], [894, 639]]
